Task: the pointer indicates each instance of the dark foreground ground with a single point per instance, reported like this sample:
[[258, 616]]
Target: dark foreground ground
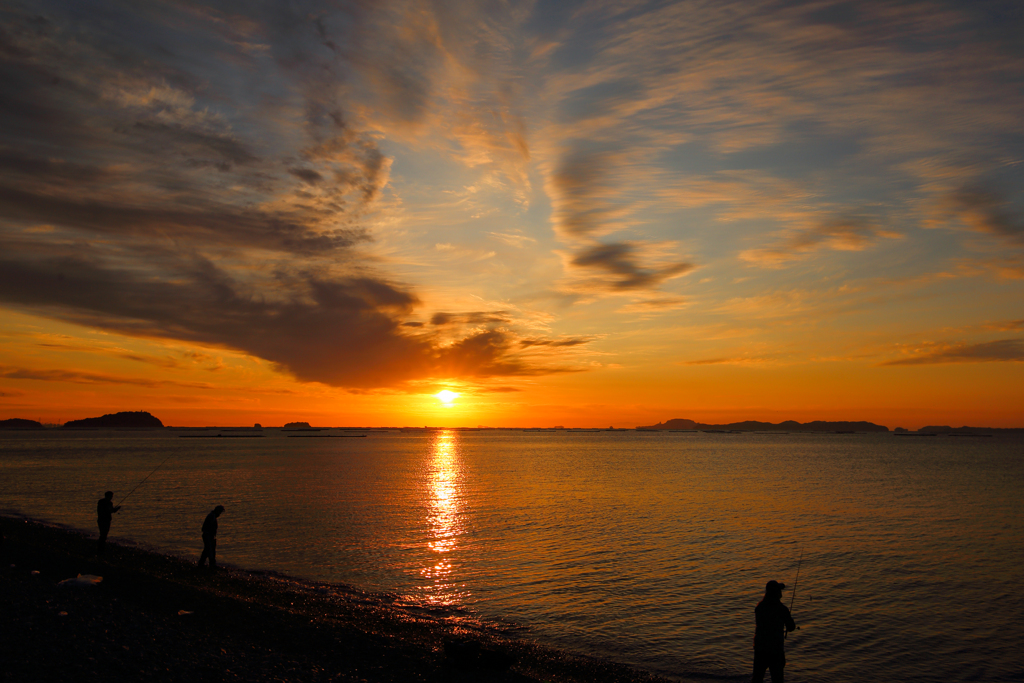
[[159, 618]]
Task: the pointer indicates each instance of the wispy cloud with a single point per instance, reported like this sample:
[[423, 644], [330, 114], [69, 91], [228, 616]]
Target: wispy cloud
[[568, 341], [590, 201], [986, 211], [513, 240], [782, 116], [1006, 326], [619, 262], [473, 318], [839, 235], [81, 377], [734, 360], [1000, 351], [224, 198]]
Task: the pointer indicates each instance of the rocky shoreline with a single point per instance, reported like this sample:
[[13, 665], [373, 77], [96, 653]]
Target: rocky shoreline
[[155, 617]]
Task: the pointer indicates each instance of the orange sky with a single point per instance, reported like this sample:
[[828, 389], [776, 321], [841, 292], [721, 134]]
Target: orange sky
[[578, 214]]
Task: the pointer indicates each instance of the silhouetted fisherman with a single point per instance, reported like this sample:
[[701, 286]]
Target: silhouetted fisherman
[[773, 621], [105, 510], [210, 537]]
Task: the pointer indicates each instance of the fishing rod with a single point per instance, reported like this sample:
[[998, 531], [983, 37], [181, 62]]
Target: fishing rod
[[793, 597], [147, 477]]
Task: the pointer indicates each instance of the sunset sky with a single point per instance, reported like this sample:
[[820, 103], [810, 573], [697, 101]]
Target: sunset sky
[[569, 213]]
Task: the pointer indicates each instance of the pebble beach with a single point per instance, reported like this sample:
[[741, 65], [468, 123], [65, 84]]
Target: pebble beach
[[160, 618]]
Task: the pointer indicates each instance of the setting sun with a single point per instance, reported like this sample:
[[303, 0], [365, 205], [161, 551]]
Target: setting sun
[[447, 396]]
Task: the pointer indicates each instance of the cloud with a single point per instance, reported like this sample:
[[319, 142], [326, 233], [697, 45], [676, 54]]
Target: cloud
[[159, 361], [209, 174], [113, 136], [583, 188], [80, 377], [762, 114], [513, 240], [839, 235], [1000, 351], [471, 319], [589, 201], [986, 211], [1006, 326], [453, 252], [1007, 267], [655, 304], [739, 360], [570, 341], [338, 330], [619, 269]]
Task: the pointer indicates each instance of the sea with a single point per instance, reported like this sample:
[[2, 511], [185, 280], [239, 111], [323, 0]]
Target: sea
[[903, 557]]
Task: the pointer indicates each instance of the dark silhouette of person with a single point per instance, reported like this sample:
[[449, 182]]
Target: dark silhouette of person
[[773, 621], [105, 510], [210, 537]]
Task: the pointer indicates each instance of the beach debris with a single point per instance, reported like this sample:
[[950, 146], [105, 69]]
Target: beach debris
[[81, 580], [183, 612]]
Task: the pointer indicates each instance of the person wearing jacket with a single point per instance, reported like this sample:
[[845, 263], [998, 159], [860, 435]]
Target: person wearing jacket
[[772, 621], [210, 537]]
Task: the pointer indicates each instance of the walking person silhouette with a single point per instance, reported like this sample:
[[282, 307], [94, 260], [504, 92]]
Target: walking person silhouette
[[210, 537], [773, 621], [105, 510]]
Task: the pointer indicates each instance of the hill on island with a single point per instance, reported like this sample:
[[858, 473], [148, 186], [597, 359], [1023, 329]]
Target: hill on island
[[19, 423], [126, 420], [787, 426], [970, 431]]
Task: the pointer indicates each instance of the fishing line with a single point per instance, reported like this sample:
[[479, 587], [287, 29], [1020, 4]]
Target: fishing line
[[792, 598], [147, 477]]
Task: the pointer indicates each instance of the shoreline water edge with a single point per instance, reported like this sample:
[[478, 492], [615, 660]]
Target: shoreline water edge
[[159, 617]]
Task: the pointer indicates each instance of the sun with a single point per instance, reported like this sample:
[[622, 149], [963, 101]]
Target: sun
[[446, 396]]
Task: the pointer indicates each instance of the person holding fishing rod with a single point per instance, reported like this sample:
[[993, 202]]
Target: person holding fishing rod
[[105, 510], [773, 623]]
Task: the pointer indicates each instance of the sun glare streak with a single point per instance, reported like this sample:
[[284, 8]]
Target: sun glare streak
[[444, 517]]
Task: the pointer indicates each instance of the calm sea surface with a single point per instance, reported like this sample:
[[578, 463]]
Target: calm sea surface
[[649, 549]]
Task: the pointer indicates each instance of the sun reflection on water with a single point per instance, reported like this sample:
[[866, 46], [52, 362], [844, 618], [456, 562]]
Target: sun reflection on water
[[444, 519]]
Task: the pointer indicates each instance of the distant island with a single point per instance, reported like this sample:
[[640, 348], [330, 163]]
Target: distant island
[[127, 420], [787, 426], [970, 431], [19, 423], [297, 425]]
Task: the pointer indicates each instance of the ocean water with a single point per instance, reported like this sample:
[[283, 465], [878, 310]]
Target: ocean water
[[649, 549]]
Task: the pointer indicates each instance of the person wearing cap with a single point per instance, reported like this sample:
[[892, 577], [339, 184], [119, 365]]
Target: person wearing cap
[[105, 510], [210, 537], [773, 621]]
